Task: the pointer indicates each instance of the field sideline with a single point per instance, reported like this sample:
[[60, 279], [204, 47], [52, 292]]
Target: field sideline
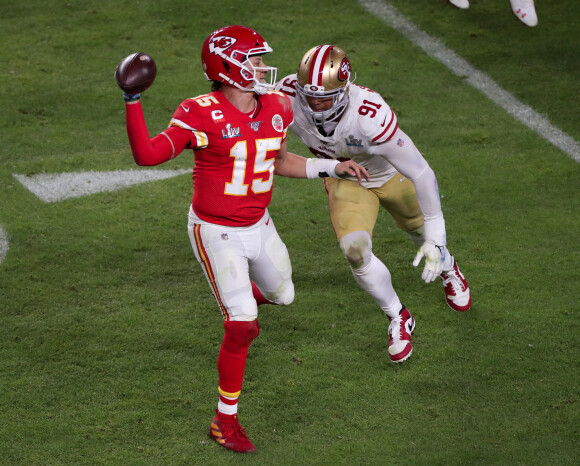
[[109, 334]]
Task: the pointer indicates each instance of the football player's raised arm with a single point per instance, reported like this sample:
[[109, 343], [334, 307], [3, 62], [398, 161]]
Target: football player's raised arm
[[151, 151]]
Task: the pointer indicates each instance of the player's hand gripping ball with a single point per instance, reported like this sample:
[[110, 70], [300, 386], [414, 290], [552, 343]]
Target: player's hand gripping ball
[[136, 73]]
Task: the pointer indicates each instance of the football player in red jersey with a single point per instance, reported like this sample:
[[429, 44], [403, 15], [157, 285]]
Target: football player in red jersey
[[238, 137], [339, 120]]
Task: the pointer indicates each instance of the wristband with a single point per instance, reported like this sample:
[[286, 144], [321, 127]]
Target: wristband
[[321, 168], [131, 97], [435, 230]]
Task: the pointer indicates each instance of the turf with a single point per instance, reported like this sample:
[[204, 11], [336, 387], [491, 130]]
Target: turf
[[109, 334]]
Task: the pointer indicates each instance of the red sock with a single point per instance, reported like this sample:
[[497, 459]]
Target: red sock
[[258, 296], [232, 357]]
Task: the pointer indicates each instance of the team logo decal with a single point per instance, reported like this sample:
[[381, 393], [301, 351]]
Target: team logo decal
[[344, 70], [230, 132], [220, 43], [314, 87], [255, 125], [277, 123]]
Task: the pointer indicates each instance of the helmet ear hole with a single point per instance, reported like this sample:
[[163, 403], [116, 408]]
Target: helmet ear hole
[[226, 67]]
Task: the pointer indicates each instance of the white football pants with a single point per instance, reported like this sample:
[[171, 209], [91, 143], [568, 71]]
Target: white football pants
[[233, 257]]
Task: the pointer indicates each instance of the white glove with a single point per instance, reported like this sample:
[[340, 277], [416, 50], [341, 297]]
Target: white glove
[[433, 261]]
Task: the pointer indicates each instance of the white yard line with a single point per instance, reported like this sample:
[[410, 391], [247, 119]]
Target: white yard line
[[3, 243], [55, 187], [458, 66]]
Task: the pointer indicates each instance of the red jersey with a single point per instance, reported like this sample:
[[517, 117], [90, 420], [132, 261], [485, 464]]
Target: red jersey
[[234, 154]]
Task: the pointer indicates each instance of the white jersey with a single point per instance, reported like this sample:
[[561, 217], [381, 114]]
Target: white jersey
[[367, 121], [369, 134]]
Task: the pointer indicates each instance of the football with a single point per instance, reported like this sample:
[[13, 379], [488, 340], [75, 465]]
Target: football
[[136, 73]]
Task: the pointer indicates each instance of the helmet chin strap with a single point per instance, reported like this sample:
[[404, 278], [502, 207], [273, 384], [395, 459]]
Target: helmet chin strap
[[259, 88]]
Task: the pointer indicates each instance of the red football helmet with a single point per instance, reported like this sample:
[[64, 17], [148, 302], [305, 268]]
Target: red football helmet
[[224, 57]]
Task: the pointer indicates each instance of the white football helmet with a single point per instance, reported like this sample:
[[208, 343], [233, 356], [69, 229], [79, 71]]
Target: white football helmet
[[324, 72]]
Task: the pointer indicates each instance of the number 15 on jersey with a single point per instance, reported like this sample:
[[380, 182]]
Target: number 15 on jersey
[[262, 171]]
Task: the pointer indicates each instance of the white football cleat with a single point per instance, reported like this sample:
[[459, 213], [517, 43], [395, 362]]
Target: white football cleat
[[400, 330], [525, 11], [457, 294], [463, 4]]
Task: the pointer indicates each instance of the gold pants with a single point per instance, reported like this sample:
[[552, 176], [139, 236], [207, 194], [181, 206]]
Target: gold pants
[[354, 208]]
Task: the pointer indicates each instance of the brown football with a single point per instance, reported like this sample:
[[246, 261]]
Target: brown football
[[136, 73]]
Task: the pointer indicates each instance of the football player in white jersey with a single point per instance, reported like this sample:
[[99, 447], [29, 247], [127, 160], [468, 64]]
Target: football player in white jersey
[[340, 120]]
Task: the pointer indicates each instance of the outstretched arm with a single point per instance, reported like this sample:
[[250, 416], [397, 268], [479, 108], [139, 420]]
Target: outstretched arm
[[292, 165], [135, 74]]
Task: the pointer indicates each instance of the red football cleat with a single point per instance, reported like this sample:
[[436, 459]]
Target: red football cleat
[[457, 292], [227, 431], [400, 330]]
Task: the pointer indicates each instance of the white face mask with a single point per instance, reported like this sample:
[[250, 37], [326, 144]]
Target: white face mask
[[333, 114], [250, 72]]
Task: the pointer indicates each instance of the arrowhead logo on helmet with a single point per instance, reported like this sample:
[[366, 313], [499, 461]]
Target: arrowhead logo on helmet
[[221, 43]]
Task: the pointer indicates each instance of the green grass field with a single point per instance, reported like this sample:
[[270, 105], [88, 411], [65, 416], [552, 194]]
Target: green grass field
[[109, 334]]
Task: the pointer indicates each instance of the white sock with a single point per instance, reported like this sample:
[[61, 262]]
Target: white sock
[[228, 405], [227, 409], [375, 279]]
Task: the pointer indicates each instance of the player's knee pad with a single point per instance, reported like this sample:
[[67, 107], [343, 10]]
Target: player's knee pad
[[284, 294], [239, 335], [357, 248]]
